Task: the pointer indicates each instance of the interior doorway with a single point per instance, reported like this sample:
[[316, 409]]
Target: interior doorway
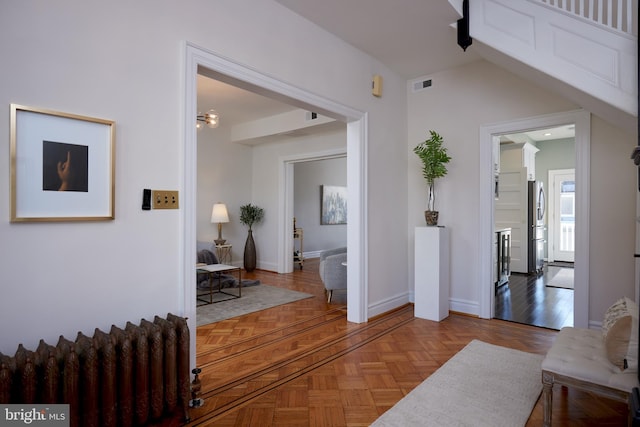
[[581, 120], [199, 60], [287, 188], [534, 291]]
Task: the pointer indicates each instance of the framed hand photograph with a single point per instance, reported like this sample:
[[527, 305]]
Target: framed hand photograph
[[62, 166], [333, 205]]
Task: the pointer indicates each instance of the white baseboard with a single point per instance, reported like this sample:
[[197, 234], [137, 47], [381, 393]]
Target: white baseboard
[[595, 325], [464, 306], [388, 304], [458, 305], [311, 254], [269, 266]]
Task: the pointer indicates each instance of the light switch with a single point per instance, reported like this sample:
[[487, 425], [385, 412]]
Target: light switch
[[165, 199], [146, 199]]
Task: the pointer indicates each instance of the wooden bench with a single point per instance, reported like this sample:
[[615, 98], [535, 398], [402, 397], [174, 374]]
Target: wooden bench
[[578, 359]]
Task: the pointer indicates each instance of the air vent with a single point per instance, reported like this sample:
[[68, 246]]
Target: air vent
[[421, 85], [311, 115]]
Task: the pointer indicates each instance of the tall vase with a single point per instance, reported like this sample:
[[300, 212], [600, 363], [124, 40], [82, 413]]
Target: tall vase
[[250, 253], [431, 215]]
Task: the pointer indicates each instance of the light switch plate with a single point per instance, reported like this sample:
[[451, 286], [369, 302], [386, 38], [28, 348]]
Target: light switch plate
[[165, 199]]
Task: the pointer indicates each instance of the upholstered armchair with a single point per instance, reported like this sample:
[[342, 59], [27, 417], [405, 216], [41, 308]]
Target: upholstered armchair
[[332, 271]]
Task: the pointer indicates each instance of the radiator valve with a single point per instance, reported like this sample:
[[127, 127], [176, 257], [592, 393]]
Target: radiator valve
[[196, 401]]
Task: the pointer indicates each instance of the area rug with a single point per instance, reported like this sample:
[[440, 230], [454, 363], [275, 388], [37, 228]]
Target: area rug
[[482, 385], [562, 278], [253, 298]]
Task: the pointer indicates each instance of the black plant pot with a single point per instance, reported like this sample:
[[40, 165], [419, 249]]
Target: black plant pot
[[250, 253]]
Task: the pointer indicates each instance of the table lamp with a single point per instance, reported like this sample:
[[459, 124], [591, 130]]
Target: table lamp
[[219, 215]]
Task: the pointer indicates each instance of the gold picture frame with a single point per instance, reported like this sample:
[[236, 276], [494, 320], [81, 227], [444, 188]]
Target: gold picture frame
[[62, 166]]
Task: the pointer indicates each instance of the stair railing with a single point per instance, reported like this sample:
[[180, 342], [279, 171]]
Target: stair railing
[[617, 15]]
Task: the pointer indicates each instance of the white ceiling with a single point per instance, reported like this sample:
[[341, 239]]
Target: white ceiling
[[560, 132], [235, 105], [412, 37]]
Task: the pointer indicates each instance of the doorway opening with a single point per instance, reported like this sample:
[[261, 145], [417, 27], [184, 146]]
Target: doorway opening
[[288, 169], [201, 61], [488, 135], [530, 288]]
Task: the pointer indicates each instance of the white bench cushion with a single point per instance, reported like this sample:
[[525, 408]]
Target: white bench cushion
[[580, 354]]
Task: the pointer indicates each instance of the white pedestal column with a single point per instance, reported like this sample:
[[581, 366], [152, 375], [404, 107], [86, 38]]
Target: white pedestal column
[[431, 273]]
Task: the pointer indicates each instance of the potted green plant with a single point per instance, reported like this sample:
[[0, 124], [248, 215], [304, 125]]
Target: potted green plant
[[249, 215], [434, 159]]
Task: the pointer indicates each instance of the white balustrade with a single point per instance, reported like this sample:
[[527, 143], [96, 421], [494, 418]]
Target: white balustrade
[[617, 15]]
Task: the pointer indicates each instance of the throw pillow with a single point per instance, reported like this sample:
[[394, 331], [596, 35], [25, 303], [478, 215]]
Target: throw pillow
[[620, 334]]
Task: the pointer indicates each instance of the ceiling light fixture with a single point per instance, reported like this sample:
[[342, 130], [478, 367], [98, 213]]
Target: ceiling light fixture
[[211, 118]]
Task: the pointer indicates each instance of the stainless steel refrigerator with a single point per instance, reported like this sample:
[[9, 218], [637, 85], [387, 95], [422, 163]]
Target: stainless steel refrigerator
[[536, 229]]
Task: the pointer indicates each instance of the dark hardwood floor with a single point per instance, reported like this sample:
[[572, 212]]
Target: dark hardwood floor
[[527, 299]]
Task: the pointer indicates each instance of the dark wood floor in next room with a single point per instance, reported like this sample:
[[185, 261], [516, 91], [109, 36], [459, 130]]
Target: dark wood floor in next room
[[528, 299]]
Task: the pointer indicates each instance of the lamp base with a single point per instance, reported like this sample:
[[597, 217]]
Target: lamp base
[[220, 241]]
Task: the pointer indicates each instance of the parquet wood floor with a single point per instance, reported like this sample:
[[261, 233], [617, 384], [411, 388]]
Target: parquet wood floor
[[303, 364]]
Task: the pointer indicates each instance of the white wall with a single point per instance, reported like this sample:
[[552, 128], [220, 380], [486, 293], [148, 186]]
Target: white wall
[[554, 154], [224, 175], [125, 62], [459, 102], [309, 177], [267, 162], [613, 213]]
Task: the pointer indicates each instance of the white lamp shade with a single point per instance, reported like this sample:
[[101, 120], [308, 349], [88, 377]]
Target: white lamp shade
[[219, 213]]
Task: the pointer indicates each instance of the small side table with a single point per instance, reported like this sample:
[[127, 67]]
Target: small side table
[[211, 270], [223, 253]]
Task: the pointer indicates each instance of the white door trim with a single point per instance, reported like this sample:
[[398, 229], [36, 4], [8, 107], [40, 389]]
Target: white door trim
[[200, 60], [582, 121], [286, 200]]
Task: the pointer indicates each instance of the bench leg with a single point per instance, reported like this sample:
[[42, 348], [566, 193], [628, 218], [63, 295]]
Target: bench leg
[[547, 398]]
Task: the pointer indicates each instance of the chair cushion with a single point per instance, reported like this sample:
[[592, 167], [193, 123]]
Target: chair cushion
[[620, 334], [579, 353], [330, 252]]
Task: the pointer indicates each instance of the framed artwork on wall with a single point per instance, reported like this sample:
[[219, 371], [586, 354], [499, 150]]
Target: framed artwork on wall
[[62, 166], [333, 205]]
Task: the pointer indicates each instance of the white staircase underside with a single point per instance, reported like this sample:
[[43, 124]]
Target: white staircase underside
[[592, 64]]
